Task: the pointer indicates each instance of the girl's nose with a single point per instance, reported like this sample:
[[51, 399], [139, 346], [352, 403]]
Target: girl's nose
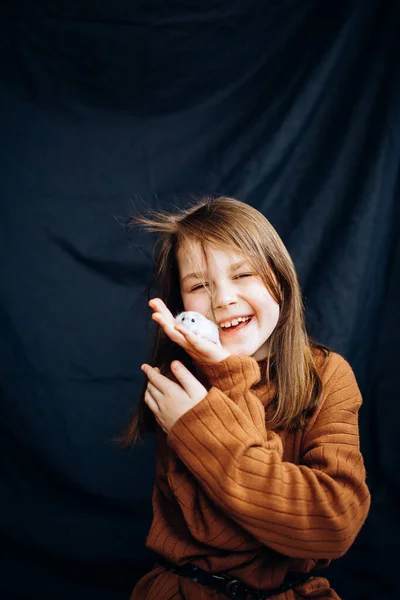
[[224, 295]]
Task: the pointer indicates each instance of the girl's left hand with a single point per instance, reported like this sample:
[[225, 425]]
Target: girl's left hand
[[168, 400]]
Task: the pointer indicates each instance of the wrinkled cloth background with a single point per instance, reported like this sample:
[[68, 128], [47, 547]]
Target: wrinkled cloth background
[[107, 109]]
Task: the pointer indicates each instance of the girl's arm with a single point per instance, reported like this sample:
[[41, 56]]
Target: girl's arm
[[312, 510], [174, 481]]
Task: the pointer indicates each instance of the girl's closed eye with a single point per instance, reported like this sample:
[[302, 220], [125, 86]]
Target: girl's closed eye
[[205, 284], [199, 286]]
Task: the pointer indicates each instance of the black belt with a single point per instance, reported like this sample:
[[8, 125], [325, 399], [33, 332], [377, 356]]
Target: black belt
[[231, 587]]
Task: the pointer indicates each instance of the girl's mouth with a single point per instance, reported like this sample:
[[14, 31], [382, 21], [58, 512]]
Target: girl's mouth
[[234, 328]]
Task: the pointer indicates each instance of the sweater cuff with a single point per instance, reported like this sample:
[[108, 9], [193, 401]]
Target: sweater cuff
[[210, 420], [233, 371]]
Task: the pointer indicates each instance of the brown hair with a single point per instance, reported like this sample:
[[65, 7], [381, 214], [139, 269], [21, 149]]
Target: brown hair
[[227, 223]]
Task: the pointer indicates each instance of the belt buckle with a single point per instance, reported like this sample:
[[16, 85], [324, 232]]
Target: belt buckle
[[194, 572], [234, 593], [230, 588]]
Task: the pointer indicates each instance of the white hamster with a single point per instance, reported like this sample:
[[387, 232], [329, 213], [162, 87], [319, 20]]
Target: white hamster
[[199, 324]]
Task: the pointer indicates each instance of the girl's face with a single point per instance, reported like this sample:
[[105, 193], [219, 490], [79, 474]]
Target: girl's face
[[237, 300]]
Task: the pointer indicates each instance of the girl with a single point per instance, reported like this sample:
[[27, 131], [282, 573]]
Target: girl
[[259, 477]]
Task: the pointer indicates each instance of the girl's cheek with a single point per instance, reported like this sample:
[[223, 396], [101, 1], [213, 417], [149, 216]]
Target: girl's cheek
[[188, 301], [263, 294], [196, 302]]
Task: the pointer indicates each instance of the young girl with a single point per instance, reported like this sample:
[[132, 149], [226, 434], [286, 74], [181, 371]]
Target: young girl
[[259, 477]]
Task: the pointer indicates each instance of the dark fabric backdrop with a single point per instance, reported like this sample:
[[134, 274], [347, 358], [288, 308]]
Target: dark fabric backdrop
[[111, 107]]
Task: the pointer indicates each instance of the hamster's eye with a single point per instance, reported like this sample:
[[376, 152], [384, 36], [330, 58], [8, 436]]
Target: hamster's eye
[[193, 320], [183, 318]]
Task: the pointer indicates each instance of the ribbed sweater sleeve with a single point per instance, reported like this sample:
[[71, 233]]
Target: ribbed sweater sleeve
[[314, 509]]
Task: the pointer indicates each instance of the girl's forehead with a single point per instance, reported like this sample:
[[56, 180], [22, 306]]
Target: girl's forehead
[[192, 256]]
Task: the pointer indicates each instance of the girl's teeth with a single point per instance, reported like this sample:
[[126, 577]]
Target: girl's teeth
[[235, 322]]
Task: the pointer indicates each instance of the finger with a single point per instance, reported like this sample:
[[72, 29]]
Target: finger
[[151, 402], [157, 395], [159, 306], [188, 381], [196, 340], [190, 336], [156, 378], [163, 320], [169, 328]]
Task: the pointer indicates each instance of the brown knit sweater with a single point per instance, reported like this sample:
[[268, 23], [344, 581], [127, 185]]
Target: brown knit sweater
[[232, 496]]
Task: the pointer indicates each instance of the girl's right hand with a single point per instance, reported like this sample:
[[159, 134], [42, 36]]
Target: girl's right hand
[[200, 349]]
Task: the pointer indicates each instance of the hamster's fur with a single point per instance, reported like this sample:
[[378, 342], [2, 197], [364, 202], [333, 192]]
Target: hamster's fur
[[199, 324]]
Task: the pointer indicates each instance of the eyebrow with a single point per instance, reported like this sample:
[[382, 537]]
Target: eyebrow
[[234, 267]]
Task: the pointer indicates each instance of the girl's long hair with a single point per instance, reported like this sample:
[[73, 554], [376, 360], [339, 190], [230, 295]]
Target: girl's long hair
[[232, 225]]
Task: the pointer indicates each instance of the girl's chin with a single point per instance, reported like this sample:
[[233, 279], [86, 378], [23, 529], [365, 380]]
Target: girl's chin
[[243, 350], [238, 350]]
